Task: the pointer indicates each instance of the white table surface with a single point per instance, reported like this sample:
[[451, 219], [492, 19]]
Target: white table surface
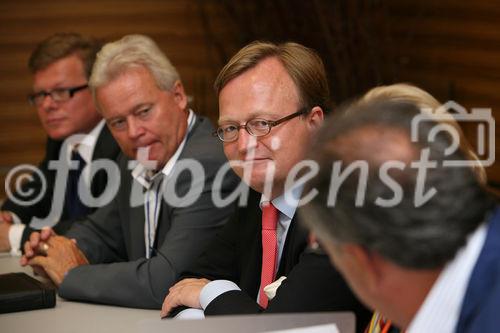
[[77, 317]]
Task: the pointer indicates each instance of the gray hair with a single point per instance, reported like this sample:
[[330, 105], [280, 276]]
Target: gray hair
[[412, 236], [132, 51]]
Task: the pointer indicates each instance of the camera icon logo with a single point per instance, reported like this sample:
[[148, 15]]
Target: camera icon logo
[[445, 116]]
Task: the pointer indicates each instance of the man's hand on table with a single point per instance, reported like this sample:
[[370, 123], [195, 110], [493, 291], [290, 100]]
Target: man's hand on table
[[52, 255], [185, 292]]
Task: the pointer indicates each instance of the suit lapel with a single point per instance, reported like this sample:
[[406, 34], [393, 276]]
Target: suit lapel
[[163, 224], [105, 148], [294, 245], [482, 277], [136, 227], [250, 251]]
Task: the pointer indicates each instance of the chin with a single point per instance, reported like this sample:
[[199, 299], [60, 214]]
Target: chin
[[158, 162], [258, 184], [148, 164], [57, 135]]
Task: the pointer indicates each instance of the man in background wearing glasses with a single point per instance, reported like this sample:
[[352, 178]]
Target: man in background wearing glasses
[[61, 66], [272, 100]]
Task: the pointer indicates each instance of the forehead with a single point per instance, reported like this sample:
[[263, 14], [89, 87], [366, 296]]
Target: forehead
[[65, 71], [264, 90], [128, 90]]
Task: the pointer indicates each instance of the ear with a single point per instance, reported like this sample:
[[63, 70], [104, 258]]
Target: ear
[[315, 117], [179, 95]]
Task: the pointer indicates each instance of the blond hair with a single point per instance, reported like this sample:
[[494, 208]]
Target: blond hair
[[303, 65], [62, 45], [404, 92]]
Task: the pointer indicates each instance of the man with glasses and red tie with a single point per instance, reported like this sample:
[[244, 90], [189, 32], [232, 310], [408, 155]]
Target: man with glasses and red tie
[[61, 66], [272, 100]]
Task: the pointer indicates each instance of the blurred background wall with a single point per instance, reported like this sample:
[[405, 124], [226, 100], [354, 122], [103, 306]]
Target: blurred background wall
[[450, 48]]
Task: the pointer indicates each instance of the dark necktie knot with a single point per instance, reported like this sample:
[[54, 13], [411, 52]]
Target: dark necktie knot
[[75, 208]]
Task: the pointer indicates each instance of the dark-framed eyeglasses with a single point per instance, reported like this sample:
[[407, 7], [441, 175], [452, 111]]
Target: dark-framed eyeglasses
[[58, 95], [256, 127]]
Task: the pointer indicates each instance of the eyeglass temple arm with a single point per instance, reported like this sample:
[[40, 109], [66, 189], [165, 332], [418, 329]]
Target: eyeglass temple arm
[[72, 91], [298, 113]]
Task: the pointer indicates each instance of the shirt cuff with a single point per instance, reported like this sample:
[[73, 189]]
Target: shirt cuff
[[15, 218], [15, 236], [214, 289], [190, 314]]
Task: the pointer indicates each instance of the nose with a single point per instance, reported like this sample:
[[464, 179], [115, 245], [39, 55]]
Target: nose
[[135, 129], [246, 142]]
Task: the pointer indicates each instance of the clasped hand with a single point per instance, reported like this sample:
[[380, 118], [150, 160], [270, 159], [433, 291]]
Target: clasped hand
[[52, 255]]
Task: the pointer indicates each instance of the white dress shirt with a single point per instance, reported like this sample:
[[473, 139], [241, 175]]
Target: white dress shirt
[[441, 308], [86, 150], [152, 184], [216, 288]]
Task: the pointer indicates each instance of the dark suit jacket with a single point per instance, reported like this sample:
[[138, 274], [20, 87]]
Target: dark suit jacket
[[312, 284], [113, 237], [481, 305], [105, 148]]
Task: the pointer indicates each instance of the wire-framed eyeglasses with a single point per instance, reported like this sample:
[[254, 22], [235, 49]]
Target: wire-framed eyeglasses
[[256, 127]]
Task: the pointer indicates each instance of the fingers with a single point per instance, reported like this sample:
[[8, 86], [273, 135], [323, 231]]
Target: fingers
[[47, 265], [35, 246], [46, 233], [165, 308], [38, 260], [6, 216], [185, 292], [43, 248], [23, 261], [182, 283], [171, 301], [28, 250], [61, 243], [34, 239]]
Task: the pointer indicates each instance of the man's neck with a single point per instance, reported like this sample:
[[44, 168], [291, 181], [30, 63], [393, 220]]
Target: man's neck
[[405, 292]]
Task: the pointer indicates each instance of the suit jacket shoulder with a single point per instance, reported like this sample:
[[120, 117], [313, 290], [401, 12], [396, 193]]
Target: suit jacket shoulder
[[113, 237], [25, 212], [105, 148], [481, 303], [311, 284]]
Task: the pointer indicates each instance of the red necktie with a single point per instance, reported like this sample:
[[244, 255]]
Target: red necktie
[[269, 249]]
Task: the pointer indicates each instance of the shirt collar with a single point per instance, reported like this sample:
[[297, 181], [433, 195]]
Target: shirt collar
[[85, 147], [442, 305], [141, 174], [287, 202]]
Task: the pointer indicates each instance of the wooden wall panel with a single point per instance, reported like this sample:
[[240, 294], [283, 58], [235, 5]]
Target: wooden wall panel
[[451, 48], [176, 25]]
